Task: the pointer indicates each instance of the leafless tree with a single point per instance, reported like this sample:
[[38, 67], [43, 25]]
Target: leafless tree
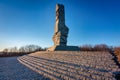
[[101, 47], [86, 48]]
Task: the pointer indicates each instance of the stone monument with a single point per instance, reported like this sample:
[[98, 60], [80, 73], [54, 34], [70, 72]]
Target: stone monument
[[61, 32]]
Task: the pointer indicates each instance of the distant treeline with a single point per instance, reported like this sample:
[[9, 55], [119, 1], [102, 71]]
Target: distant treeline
[[98, 47], [14, 51]]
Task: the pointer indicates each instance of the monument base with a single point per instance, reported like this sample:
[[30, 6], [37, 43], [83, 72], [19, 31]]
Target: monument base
[[64, 48]]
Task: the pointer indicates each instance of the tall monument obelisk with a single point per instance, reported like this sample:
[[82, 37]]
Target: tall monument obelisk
[[60, 31]]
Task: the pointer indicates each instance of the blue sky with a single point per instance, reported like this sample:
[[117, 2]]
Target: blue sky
[[24, 22]]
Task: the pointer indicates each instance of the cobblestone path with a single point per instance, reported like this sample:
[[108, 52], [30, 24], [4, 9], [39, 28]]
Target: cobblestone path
[[11, 69]]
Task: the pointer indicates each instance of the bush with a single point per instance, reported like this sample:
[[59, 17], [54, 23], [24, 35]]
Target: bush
[[99, 47], [117, 52], [86, 48]]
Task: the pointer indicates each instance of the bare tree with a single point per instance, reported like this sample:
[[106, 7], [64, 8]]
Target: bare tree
[[101, 47], [5, 50], [86, 48]]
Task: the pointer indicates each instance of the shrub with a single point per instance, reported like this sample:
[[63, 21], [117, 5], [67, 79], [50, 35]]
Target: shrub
[[117, 52], [101, 47], [98, 47], [86, 48]]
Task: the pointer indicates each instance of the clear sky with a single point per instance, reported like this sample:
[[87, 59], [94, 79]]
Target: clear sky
[[25, 22]]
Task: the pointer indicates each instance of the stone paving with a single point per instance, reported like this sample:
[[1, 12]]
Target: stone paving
[[11, 69], [68, 65]]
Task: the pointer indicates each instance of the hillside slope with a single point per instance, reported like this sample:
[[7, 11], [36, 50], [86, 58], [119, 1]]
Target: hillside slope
[[70, 65]]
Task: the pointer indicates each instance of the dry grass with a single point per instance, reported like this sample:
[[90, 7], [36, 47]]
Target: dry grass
[[117, 53]]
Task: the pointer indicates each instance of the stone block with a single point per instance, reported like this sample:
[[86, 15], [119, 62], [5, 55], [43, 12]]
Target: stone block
[[63, 48]]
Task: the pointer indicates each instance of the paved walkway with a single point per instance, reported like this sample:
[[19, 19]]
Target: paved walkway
[[11, 69], [72, 65]]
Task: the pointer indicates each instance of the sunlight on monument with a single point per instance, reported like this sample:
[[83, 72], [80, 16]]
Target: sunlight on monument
[[61, 61], [61, 32]]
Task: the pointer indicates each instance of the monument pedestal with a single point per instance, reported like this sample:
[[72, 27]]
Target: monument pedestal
[[63, 48]]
